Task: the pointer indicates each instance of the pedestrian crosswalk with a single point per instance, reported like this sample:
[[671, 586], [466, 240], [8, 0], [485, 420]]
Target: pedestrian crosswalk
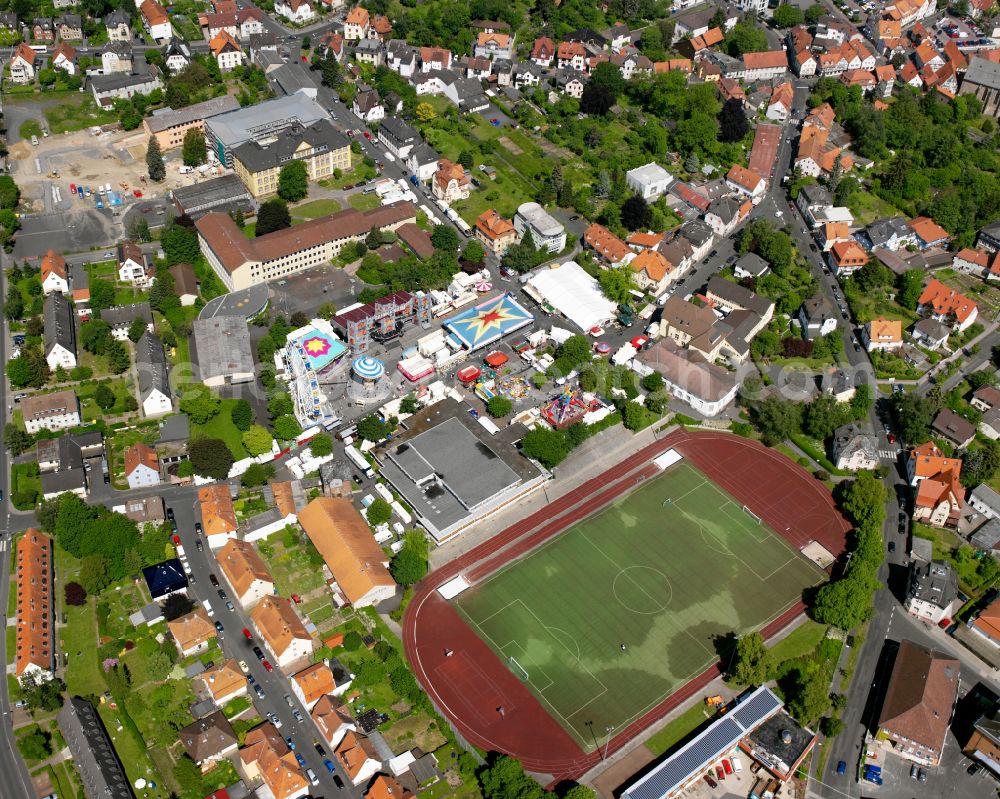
[[888, 454]]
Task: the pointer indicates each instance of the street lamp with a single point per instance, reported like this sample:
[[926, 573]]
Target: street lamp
[[590, 724], [609, 729]]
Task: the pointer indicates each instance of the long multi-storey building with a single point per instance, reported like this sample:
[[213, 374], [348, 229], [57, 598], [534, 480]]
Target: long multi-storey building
[[241, 263]]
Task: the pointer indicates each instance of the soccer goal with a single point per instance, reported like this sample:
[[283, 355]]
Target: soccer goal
[[518, 669], [751, 514]]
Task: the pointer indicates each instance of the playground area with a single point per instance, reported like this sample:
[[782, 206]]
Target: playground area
[[607, 619]]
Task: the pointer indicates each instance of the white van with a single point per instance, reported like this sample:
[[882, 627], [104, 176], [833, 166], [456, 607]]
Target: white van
[[208, 607], [184, 170]]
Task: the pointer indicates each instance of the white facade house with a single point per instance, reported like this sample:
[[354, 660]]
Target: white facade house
[[649, 181], [56, 411], [142, 467], [546, 231], [294, 10]]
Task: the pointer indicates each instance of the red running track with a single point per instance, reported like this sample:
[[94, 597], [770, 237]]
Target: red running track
[[472, 683]]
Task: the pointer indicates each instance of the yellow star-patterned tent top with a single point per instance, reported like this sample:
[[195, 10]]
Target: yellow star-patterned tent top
[[489, 321]]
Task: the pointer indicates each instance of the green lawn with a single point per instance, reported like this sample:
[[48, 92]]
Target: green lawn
[[88, 405], [868, 207], [314, 209], [364, 202], [29, 128], [678, 729], [560, 617], [800, 641], [24, 483], [221, 426]]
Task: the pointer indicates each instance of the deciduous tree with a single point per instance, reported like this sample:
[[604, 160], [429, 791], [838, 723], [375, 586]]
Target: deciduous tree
[[210, 457], [193, 150], [273, 215], [751, 662], [199, 402], [257, 440], [293, 181], [379, 512]]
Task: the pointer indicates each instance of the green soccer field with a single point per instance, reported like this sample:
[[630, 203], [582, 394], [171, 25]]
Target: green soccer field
[[671, 571]]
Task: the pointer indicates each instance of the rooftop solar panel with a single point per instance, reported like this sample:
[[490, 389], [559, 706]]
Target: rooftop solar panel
[[714, 742]]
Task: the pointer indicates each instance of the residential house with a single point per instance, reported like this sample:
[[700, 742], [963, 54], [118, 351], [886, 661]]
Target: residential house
[[34, 651], [891, 234], [939, 492], [251, 22], [972, 262], [42, 30], [779, 107], [831, 233], [985, 399], [116, 58], [422, 161], [750, 266], [333, 719], [192, 632], [882, 334], [368, 105], [154, 379], [357, 24], [746, 181], [543, 51], [930, 333], [60, 332], [385, 787], [295, 10], [266, 757], [135, 266], [928, 232], [450, 183], [281, 629], [245, 571], [224, 682], [944, 304], [494, 45], [766, 65], [62, 463], [380, 28], [568, 83], [918, 704], [155, 20], [817, 317], [401, 58], [53, 273], [649, 181], [145, 509], [312, 684], [345, 542], [724, 215], [185, 283], [358, 757], [846, 257], [209, 740], [494, 232], [986, 623], [571, 55], [22, 64], [804, 63], [434, 59], [227, 51], [69, 27], [218, 517], [59, 410], [64, 58], [398, 137], [121, 317], [142, 467], [119, 25], [618, 36], [608, 247], [854, 448], [652, 271], [932, 592], [369, 51], [954, 428]]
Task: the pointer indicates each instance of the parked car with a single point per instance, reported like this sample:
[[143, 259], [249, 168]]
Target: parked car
[[198, 546], [273, 717], [257, 651], [267, 666], [297, 715], [301, 760], [247, 635], [842, 767], [329, 765], [290, 742], [258, 690], [230, 605], [218, 626], [921, 775], [245, 667], [319, 750], [222, 595], [213, 579], [711, 783]]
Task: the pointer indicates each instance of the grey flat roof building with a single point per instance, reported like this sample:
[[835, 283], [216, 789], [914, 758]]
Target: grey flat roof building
[[227, 131], [100, 770], [452, 471], [220, 350], [226, 193]]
